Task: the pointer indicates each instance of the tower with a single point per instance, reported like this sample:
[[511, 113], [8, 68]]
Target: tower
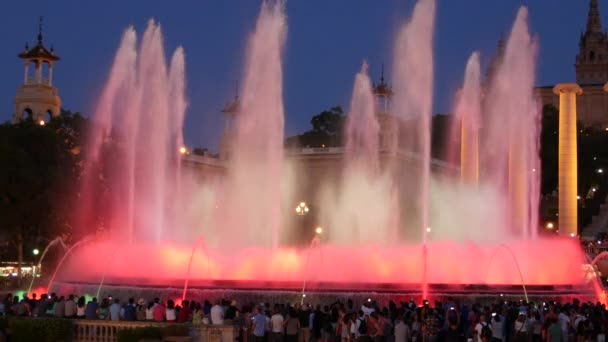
[[387, 122], [231, 111], [37, 99], [592, 58]]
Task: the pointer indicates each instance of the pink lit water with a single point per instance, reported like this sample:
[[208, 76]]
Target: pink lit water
[[482, 234]]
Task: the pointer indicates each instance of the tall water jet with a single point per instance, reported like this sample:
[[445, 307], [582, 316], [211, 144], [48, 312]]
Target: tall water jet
[[361, 181], [362, 127], [468, 112], [178, 105], [110, 102], [140, 114], [412, 102], [254, 188], [512, 119]]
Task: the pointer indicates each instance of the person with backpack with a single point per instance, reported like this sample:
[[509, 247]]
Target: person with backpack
[[359, 328], [483, 330]]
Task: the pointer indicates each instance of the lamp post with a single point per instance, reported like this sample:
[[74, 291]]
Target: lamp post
[[302, 209]]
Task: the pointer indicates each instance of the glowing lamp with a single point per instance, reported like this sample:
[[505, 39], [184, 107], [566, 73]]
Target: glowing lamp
[[42, 123], [302, 204], [428, 229], [600, 170], [578, 197], [593, 189], [303, 295], [183, 150], [549, 225], [35, 251], [298, 209], [572, 235], [319, 230]]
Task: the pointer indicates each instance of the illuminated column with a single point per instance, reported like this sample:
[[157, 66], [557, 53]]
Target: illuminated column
[[567, 164], [518, 184], [469, 152]]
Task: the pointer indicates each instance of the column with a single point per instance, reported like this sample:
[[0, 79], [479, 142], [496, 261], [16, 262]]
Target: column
[[567, 159], [38, 72], [27, 71], [51, 74]]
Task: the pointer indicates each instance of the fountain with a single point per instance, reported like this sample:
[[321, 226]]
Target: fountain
[[57, 240], [408, 227]]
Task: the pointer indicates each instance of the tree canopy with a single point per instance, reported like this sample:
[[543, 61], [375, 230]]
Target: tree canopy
[[39, 175]]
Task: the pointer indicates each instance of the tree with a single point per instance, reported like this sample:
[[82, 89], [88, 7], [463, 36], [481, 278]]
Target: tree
[[39, 174], [327, 130]]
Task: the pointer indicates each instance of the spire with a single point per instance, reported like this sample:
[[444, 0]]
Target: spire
[[40, 31], [231, 109], [593, 18], [383, 89]]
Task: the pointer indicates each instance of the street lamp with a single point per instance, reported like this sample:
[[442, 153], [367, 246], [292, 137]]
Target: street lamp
[[302, 209], [36, 251], [183, 150], [42, 123]]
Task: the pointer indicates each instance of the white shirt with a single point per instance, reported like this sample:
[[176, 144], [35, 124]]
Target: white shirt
[[478, 329], [217, 315], [150, 314], [402, 331], [276, 323], [170, 315]]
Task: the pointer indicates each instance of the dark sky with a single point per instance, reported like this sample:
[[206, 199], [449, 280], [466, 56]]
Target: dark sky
[[327, 40]]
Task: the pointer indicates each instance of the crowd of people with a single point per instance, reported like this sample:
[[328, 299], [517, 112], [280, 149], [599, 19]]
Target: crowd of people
[[450, 321]]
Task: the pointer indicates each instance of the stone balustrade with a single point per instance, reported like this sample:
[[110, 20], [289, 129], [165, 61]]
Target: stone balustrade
[[106, 331]]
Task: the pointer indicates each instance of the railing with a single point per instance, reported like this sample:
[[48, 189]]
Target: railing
[[595, 250], [106, 331], [34, 80]]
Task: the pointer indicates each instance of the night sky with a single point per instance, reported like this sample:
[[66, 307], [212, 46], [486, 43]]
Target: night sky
[[327, 41]]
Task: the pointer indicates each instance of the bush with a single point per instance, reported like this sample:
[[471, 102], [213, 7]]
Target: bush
[[176, 330], [47, 329], [134, 335]]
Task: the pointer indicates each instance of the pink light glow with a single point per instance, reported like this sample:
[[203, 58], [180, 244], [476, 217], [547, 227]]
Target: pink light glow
[[448, 263]]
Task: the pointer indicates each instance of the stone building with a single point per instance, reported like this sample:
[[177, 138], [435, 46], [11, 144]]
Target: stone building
[[591, 66], [36, 98]]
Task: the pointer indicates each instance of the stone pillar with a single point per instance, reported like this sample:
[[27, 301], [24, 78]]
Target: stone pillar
[[568, 159], [27, 72], [38, 72], [51, 74]]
